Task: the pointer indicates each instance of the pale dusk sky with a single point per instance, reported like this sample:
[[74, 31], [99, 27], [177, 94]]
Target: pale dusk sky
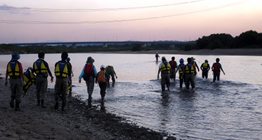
[[33, 21]]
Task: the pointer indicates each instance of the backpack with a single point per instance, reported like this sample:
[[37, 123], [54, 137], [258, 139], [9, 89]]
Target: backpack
[[101, 77], [173, 64], [216, 67], [89, 69]]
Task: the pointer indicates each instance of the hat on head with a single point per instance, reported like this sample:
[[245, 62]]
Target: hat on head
[[15, 56], [102, 67], [163, 58], [192, 59], [181, 60], [90, 60]]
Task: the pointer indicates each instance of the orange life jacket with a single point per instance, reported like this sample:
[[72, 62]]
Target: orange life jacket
[[101, 77]]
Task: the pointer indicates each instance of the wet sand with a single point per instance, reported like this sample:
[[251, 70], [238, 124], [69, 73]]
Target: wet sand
[[76, 122]]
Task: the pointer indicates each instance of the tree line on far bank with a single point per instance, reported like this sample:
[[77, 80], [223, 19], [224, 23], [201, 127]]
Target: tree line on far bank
[[248, 39]]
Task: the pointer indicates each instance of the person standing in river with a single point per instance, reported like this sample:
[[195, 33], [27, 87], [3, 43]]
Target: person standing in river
[[101, 78], [89, 74], [41, 68], [14, 70], [111, 71], [62, 71], [180, 69], [173, 65], [205, 68], [164, 68], [189, 72], [156, 55], [194, 63], [216, 67]]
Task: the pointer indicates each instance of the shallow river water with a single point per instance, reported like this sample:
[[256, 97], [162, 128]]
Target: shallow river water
[[228, 109]]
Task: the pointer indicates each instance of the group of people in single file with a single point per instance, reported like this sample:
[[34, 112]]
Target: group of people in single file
[[187, 72]]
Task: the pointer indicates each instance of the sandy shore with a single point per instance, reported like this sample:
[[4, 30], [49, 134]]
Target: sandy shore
[[76, 123]]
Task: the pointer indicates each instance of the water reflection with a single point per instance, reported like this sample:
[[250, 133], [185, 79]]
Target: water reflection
[[187, 112], [164, 110]]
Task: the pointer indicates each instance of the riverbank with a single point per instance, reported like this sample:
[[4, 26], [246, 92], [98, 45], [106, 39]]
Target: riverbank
[[254, 52], [76, 122]]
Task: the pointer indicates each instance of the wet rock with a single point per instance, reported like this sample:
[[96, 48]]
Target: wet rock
[[77, 122]]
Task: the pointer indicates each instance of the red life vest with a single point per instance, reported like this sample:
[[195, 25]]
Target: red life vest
[[173, 64], [216, 67], [89, 70]]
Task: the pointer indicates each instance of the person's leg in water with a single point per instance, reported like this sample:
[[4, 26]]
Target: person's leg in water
[[113, 80], [187, 81], [163, 82], [193, 82], [167, 79], [214, 76], [102, 92], [181, 80], [108, 81], [90, 88], [174, 74]]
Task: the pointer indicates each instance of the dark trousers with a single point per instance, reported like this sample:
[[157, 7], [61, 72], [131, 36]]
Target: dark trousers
[[173, 73], [102, 90], [190, 78], [216, 76], [181, 79], [165, 80], [204, 75]]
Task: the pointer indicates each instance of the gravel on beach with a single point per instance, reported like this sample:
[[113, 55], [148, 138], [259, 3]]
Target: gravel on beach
[[76, 122]]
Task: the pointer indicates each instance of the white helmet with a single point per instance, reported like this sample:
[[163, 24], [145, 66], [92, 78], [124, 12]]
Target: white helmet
[[102, 66]]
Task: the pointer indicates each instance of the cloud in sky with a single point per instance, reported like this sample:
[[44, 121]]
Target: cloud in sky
[[103, 20], [15, 10]]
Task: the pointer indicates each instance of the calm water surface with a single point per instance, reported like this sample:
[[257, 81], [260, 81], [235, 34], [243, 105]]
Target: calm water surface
[[228, 109]]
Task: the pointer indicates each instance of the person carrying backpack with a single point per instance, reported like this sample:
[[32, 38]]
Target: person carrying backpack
[[173, 65], [101, 78], [216, 67], [89, 73], [180, 68], [111, 71]]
